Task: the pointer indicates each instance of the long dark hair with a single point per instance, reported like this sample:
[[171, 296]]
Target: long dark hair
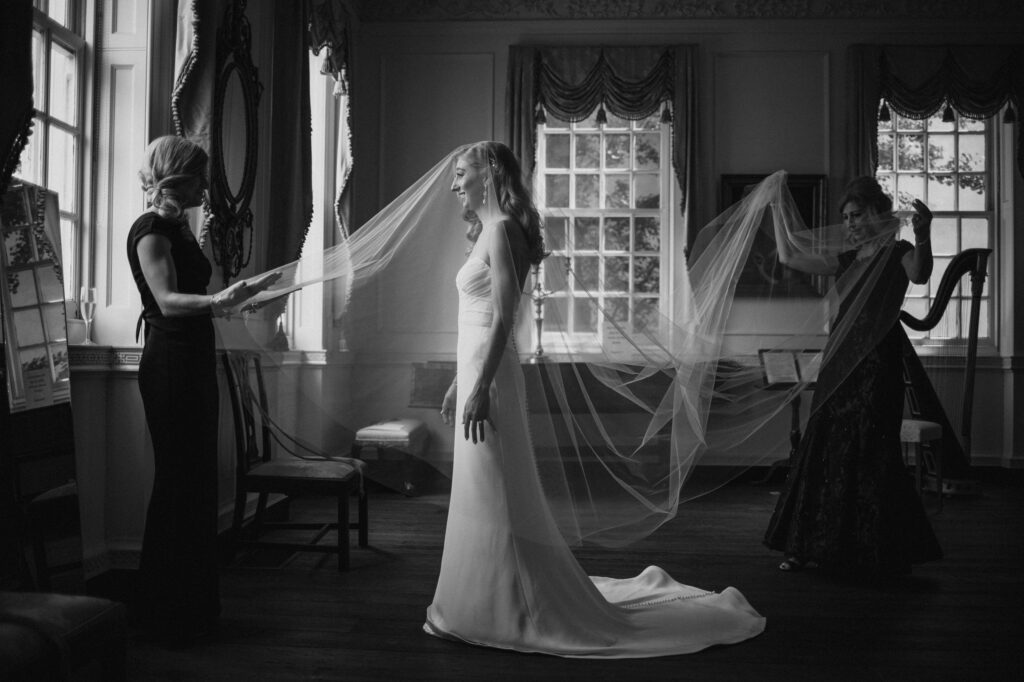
[[513, 197]]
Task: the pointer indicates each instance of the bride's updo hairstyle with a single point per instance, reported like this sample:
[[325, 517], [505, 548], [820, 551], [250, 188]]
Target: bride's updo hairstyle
[[513, 197], [170, 163], [867, 193]]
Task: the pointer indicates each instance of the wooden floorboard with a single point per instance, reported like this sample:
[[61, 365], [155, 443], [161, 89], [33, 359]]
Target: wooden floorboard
[[300, 619]]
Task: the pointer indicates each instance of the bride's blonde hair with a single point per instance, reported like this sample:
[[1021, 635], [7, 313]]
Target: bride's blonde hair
[[513, 197], [169, 163]]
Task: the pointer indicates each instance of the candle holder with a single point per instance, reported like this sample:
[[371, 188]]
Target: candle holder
[[538, 295]]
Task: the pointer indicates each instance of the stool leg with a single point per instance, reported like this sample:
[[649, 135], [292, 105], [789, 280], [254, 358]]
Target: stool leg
[[364, 518], [343, 559]]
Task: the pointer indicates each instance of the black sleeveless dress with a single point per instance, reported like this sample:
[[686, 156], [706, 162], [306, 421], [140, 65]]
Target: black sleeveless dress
[[179, 588], [849, 503]]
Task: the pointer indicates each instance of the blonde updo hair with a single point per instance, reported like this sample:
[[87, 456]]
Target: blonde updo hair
[[170, 163]]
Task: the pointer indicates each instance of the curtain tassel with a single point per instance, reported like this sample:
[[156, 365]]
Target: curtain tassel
[[538, 115], [666, 114], [947, 114], [883, 114], [602, 117], [1009, 116]]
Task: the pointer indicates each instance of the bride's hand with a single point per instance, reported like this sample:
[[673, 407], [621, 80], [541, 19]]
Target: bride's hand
[[476, 412]]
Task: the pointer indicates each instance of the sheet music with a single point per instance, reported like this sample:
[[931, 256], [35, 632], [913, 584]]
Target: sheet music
[[809, 362], [779, 367]]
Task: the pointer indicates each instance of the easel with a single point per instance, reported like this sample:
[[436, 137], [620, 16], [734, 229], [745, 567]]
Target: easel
[[783, 370]]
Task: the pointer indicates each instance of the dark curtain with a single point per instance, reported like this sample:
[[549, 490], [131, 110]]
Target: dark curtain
[[291, 156], [16, 84], [569, 83], [917, 81]]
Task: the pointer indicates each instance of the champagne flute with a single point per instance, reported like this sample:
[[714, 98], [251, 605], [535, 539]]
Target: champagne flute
[[87, 306]]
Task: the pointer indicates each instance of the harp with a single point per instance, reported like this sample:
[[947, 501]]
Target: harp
[[949, 466]]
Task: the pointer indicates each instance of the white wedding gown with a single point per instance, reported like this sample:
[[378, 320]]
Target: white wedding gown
[[508, 578]]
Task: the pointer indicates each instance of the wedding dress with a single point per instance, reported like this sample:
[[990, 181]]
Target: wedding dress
[[509, 580]]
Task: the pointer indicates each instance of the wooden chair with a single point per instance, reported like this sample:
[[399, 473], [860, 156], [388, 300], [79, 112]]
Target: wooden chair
[[923, 432], [302, 470]]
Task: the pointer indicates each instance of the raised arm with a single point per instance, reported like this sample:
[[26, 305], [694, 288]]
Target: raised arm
[[506, 250], [790, 256], [918, 263]]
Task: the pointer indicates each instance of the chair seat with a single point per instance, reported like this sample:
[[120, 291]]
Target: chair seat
[[82, 628], [408, 434], [919, 431], [341, 470]]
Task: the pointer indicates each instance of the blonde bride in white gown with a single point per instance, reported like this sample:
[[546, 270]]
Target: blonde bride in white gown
[[508, 578]]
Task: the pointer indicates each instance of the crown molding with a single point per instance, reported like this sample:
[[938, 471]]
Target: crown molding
[[511, 10]]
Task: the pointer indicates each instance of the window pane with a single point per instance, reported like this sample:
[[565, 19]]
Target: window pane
[[586, 269], [554, 233], [885, 152], [585, 235], [587, 191], [941, 193], [941, 152], [585, 316], [910, 155], [556, 191], [648, 234], [972, 152], [909, 187], [554, 274], [63, 84], [557, 153], [19, 248], [38, 68], [944, 238], [616, 273], [616, 151], [614, 121], [31, 168], [648, 191], [58, 11], [556, 314], [908, 123], [60, 169], [616, 234], [649, 123], [68, 242], [983, 330], [617, 308], [588, 151], [589, 123], [555, 122], [975, 233], [646, 275], [937, 125], [938, 268], [648, 154], [972, 192], [645, 315], [616, 191], [970, 124]]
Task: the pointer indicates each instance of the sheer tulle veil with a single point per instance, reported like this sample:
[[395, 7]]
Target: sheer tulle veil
[[658, 408]]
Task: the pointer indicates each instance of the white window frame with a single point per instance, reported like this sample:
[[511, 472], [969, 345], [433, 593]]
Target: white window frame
[[569, 341], [71, 38], [959, 302]]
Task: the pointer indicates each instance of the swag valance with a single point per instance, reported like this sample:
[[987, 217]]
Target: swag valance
[[977, 81], [570, 83]]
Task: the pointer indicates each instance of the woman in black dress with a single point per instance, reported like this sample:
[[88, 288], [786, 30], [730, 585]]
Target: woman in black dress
[[179, 595], [849, 504]]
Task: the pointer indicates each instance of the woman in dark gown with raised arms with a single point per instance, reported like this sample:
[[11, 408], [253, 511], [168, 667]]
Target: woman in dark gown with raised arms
[[849, 504]]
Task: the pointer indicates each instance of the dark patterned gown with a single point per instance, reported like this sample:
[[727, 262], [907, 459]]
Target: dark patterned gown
[[178, 576], [849, 503]]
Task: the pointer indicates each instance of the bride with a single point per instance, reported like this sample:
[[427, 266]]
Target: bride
[[508, 578]]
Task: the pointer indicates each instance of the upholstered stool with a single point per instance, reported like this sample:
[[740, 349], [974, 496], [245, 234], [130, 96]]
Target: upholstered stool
[[913, 434], [396, 444], [49, 636]]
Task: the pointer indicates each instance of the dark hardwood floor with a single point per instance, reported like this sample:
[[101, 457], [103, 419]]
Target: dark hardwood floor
[[300, 619]]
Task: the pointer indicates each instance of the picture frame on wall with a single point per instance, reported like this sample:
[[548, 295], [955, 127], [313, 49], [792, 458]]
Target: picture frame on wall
[[763, 273]]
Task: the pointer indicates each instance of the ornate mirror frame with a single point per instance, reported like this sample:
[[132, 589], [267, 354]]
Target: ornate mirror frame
[[229, 220]]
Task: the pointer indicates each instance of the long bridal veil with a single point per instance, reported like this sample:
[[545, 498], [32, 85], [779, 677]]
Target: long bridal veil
[[659, 400]]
